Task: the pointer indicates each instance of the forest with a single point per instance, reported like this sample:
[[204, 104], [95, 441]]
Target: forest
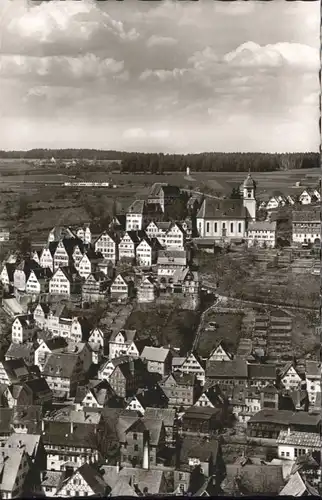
[[158, 163]]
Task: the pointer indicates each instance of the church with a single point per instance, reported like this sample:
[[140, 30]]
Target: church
[[228, 218]]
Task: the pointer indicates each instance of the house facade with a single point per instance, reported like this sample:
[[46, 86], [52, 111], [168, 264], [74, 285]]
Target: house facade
[[261, 234]]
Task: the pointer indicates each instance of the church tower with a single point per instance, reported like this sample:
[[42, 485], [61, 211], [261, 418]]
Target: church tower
[[249, 196]]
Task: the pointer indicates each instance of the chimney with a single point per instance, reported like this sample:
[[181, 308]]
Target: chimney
[[146, 450]]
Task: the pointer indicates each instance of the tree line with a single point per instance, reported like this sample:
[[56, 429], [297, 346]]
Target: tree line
[[217, 162]]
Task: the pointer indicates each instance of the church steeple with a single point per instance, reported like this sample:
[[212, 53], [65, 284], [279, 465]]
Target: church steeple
[[249, 196]]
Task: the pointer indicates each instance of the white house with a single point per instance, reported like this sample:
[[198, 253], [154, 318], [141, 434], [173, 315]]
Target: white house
[[122, 343], [40, 315], [145, 253], [22, 329], [306, 226], [262, 234], [107, 245], [128, 244], [120, 287], [309, 196], [109, 366], [290, 377], [158, 359], [134, 216], [63, 282], [313, 379], [294, 444], [175, 237], [77, 256], [61, 256], [276, 201], [85, 482], [84, 234], [170, 261], [220, 353], [85, 267], [193, 365], [156, 229], [6, 275], [47, 256], [135, 405]]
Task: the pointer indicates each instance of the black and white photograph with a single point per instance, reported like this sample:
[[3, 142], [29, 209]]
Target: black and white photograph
[[160, 244]]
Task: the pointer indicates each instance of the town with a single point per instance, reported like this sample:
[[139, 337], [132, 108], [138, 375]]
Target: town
[[96, 402]]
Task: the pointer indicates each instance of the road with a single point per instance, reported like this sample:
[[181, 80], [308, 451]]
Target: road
[[201, 322], [225, 298]]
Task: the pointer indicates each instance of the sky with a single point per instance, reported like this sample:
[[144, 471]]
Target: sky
[[167, 76]]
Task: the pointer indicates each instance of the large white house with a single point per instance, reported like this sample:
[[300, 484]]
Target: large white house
[[228, 218], [262, 234], [306, 226]]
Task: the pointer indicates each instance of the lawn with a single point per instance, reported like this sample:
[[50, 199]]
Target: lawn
[[228, 329], [165, 326]]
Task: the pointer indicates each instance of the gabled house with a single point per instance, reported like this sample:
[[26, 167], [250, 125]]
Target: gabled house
[[175, 237], [95, 287], [63, 372], [14, 466], [121, 287], [144, 398], [170, 261], [306, 226], [197, 420], [313, 380], [22, 272], [23, 351], [6, 275], [211, 397], [147, 290], [290, 377], [134, 216], [276, 201], [181, 389], [107, 245], [85, 481], [84, 233], [59, 233], [46, 259], [46, 348], [127, 378], [129, 243], [19, 395], [147, 251], [141, 440], [309, 196], [65, 281], [40, 315], [62, 258], [220, 353], [122, 343], [292, 444], [185, 281], [38, 281], [158, 230], [261, 234], [193, 365], [89, 263], [158, 359], [77, 255], [107, 368], [96, 394], [228, 373], [260, 375], [13, 371], [297, 486], [22, 329], [164, 194]]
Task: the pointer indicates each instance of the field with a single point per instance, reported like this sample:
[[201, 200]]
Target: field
[[228, 328]]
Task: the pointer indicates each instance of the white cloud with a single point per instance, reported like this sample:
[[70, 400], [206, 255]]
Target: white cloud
[[162, 74], [274, 55], [161, 41], [134, 133]]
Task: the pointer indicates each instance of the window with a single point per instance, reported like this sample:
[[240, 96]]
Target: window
[[136, 447], [135, 436], [215, 227], [239, 227], [207, 227], [231, 227]]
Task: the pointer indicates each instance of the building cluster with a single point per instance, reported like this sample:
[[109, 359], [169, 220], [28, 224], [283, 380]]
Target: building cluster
[[308, 196], [89, 407], [95, 411]]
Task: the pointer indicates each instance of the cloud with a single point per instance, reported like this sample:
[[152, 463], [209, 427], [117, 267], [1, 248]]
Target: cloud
[[163, 75], [140, 133], [54, 28], [294, 55], [161, 41], [59, 69]]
